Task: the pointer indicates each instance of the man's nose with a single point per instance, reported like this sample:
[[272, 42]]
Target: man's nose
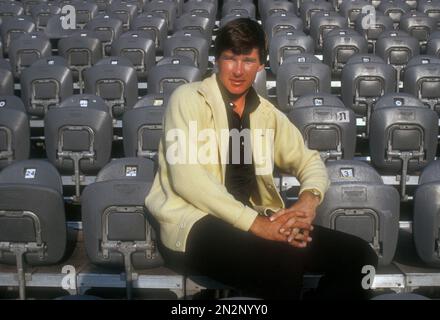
[[238, 68]]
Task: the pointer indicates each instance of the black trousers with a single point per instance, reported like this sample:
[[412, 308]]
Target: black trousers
[[274, 270]]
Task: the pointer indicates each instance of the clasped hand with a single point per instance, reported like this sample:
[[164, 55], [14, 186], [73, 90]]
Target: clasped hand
[[292, 225], [295, 225]]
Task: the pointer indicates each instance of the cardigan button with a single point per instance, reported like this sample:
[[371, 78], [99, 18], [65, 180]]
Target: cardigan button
[[178, 244]]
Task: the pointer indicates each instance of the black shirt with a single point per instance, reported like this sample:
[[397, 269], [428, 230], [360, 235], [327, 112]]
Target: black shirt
[[240, 171]]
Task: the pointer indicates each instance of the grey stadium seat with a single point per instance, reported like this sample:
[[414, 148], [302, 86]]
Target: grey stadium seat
[[431, 8], [382, 23], [238, 6], [311, 8], [176, 60], [51, 61], [114, 80], [155, 26], [433, 46], [359, 203], [287, 43], [231, 17], [420, 26], [84, 11], [400, 99], [41, 14], [44, 86], [403, 138], [192, 21], [397, 48], [55, 31], [170, 73], [14, 27], [395, 9], [301, 74], [412, 3], [282, 22], [142, 131], [152, 100], [81, 51], [202, 8], [365, 78], [214, 2], [11, 9], [271, 7], [351, 9], [117, 228], [140, 4], [340, 45], [139, 49], [323, 22], [102, 5], [426, 226], [26, 49], [107, 29], [195, 48], [189, 33], [422, 79], [79, 135], [29, 4], [326, 125], [32, 231], [123, 11], [14, 131], [6, 78], [163, 9]]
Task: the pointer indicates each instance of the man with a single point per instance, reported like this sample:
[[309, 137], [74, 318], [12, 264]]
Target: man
[[219, 212]]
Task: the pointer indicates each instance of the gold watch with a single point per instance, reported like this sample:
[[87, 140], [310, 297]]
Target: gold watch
[[315, 192]]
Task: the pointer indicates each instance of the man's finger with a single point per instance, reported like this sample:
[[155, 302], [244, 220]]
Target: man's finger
[[298, 244], [277, 214], [296, 235], [287, 225], [296, 223], [281, 212], [288, 232]]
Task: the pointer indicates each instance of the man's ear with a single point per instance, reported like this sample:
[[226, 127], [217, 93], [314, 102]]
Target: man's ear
[[261, 67]]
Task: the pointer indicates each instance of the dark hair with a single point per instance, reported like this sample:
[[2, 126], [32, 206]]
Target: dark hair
[[241, 36]]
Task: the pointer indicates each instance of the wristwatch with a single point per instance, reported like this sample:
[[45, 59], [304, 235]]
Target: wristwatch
[[315, 192]]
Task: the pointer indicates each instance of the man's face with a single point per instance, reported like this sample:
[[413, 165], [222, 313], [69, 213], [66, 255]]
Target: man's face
[[237, 72]]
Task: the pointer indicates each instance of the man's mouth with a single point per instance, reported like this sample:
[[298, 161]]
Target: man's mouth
[[237, 82]]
